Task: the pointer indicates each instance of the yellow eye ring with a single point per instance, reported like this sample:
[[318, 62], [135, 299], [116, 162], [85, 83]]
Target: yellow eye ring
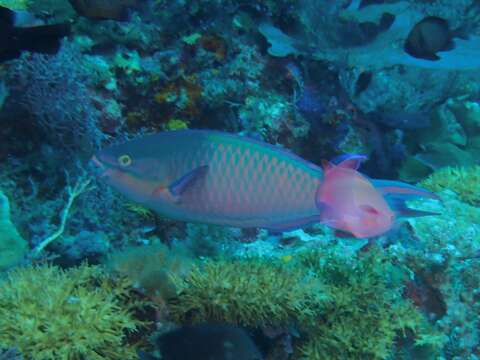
[[125, 160]]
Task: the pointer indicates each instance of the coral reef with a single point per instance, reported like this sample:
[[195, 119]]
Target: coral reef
[[464, 181], [318, 77], [251, 292], [150, 268], [366, 312], [55, 94], [344, 307]]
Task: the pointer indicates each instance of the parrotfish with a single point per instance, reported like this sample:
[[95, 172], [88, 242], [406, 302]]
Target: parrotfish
[[220, 178]]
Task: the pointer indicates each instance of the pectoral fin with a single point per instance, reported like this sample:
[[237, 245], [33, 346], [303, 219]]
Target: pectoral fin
[[179, 186], [349, 161]]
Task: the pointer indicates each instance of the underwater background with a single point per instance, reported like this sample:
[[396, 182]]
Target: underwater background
[[88, 272]]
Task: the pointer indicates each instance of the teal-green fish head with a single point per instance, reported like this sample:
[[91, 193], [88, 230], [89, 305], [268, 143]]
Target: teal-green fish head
[[130, 169]]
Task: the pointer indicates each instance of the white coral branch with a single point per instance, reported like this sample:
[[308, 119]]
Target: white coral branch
[[82, 185]]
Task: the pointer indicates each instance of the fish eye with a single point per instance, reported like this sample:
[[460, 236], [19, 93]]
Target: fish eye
[[124, 160]]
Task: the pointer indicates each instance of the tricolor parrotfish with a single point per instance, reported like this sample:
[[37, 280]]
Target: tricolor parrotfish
[[220, 178]]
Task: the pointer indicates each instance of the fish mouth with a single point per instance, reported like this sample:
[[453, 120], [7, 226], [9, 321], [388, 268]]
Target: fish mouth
[[99, 168]]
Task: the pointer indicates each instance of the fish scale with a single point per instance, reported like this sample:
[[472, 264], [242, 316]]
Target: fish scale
[[243, 181]]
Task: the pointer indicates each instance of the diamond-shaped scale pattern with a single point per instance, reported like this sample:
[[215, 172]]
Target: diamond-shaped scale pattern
[[246, 183]]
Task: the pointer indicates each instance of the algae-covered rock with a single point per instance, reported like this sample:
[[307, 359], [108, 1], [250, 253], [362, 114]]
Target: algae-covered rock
[[13, 246]]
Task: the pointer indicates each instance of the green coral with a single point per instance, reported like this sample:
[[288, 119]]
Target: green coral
[[13, 246], [344, 308], [251, 292], [465, 181], [81, 313], [367, 311]]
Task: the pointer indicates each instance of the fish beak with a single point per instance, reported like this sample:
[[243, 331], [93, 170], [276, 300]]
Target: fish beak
[[97, 166]]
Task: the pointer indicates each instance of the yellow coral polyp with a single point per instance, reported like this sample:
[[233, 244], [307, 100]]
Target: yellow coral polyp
[[81, 313]]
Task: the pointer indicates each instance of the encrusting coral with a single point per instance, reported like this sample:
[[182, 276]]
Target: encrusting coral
[[81, 313]]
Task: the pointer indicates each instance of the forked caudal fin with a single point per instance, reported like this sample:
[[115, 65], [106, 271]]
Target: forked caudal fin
[[391, 187], [396, 193]]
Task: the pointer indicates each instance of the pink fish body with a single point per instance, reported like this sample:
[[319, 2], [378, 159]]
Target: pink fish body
[[219, 178], [352, 204]]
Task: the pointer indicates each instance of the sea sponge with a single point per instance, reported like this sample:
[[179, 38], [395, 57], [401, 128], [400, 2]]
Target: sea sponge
[[464, 181], [81, 313], [250, 292], [149, 268]]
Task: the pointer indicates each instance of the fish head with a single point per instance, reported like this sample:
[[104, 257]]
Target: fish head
[[369, 214], [349, 201], [369, 221], [130, 168]]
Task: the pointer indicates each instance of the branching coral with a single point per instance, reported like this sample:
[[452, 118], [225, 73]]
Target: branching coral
[[49, 313], [344, 308], [366, 312], [251, 292]]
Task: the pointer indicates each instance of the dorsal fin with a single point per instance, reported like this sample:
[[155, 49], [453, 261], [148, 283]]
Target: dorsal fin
[[349, 161], [327, 165]]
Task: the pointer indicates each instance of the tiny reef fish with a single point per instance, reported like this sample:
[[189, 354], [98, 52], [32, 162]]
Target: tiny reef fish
[[431, 35], [220, 178]]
